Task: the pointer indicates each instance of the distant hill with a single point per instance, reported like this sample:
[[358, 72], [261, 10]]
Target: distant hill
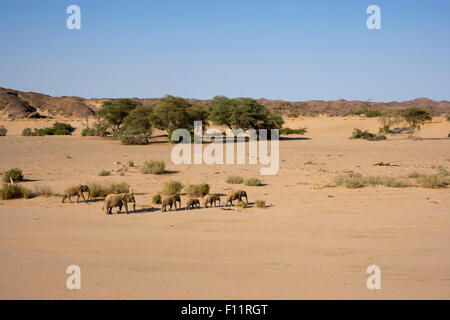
[[16, 104]]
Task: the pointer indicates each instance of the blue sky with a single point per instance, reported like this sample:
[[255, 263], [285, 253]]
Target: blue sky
[[291, 50]]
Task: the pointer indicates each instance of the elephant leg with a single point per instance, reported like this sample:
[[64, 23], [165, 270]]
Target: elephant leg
[[82, 195], [70, 201], [120, 208], [126, 207], [64, 198]]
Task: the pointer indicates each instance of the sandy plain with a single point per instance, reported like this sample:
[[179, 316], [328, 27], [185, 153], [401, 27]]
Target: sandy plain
[[315, 241]]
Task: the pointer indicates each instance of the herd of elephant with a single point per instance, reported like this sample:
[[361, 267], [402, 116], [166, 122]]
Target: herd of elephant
[[123, 199]]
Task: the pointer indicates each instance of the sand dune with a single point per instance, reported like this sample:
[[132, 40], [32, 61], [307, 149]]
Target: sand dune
[[314, 241]]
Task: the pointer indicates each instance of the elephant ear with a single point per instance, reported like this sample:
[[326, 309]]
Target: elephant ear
[[124, 197]]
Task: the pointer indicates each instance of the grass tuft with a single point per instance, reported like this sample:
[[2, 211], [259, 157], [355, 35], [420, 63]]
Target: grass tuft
[[14, 174], [198, 190], [153, 167], [104, 173], [172, 187], [157, 198], [260, 204], [235, 180], [102, 189], [14, 191], [254, 182]]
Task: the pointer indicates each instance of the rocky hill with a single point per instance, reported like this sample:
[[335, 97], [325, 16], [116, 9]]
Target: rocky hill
[[15, 104]]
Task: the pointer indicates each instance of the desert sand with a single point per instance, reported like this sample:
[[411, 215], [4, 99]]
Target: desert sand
[[315, 241]]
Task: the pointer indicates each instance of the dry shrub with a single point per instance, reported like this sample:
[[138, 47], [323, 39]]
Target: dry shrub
[[235, 180], [172, 187], [14, 191], [104, 173], [43, 190], [157, 198], [252, 182], [153, 167], [242, 204], [14, 174], [260, 204], [102, 189], [198, 190]]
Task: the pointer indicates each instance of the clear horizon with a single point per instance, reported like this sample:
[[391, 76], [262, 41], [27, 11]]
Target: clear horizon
[[284, 50]]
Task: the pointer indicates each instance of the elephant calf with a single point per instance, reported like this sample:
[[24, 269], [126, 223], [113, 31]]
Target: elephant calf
[[192, 203], [236, 195], [170, 201], [77, 190], [210, 199], [119, 200]]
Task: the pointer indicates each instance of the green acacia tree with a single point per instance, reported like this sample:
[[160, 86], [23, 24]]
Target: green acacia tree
[[175, 113], [415, 117], [115, 112], [242, 113]]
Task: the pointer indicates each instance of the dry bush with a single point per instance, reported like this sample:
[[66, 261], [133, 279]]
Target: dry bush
[[198, 190], [235, 180], [172, 187], [104, 173], [153, 167], [157, 198], [43, 190], [14, 174], [102, 189], [242, 204], [14, 191], [350, 180], [252, 182], [260, 204]]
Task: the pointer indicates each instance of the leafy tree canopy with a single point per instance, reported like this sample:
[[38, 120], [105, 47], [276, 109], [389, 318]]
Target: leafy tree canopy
[[138, 121], [114, 112], [243, 113], [175, 112]]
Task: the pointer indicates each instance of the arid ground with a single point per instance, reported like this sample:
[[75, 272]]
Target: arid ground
[[314, 241]]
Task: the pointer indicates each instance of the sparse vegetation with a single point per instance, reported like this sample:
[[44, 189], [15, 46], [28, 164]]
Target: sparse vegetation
[[14, 191], [153, 167], [58, 129], [130, 164], [157, 198], [301, 131], [254, 182], [198, 190], [242, 204], [43, 190], [356, 180], [134, 140], [415, 117], [172, 187], [260, 204], [359, 134], [350, 180], [104, 173], [433, 181], [102, 189], [88, 132], [27, 132], [3, 131], [448, 118], [235, 180], [15, 174]]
